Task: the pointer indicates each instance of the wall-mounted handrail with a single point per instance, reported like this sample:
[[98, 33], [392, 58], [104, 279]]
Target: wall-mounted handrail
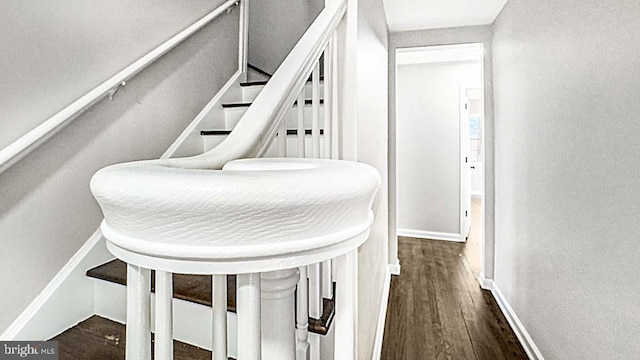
[[21, 147], [253, 134]]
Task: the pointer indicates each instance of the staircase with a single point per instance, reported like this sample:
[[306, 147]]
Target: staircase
[[295, 257], [192, 293], [234, 109]]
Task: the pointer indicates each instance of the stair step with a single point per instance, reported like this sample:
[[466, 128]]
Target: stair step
[[247, 104], [227, 132], [197, 289], [193, 288], [264, 82], [98, 338]]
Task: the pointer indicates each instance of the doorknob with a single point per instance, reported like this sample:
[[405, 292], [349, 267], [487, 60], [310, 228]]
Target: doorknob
[[473, 167]]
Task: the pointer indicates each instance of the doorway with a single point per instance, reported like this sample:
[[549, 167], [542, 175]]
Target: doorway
[[439, 141]]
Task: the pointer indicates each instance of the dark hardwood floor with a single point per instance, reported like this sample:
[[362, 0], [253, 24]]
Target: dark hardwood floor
[[437, 309], [100, 339]]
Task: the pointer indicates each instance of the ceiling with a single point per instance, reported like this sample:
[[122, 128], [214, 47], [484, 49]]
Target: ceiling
[[405, 15]]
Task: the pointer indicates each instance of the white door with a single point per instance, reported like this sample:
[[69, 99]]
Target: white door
[[465, 170]]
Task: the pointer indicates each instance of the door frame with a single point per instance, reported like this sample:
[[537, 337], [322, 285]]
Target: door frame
[[465, 173], [399, 42]]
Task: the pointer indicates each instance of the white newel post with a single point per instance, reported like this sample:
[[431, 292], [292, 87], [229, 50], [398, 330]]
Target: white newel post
[[138, 313], [278, 314]]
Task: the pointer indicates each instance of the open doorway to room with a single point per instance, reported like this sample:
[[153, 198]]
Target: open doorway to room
[[439, 129]]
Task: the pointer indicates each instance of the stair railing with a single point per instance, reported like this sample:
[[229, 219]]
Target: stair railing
[[262, 126], [265, 122]]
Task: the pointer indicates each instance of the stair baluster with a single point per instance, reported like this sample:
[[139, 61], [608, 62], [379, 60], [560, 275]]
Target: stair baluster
[[248, 303], [164, 316], [138, 313], [219, 304], [282, 139], [315, 108], [302, 316], [301, 129]]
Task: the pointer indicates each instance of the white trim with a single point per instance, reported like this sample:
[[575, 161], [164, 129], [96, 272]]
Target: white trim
[[191, 129], [433, 235], [50, 312], [21, 147], [438, 54], [477, 193], [525, 339], [485, 283], [382, 316], [395, 269], [243, 41]]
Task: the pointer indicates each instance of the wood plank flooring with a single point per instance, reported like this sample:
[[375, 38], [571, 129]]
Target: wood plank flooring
[[100, 339], [437, 309]]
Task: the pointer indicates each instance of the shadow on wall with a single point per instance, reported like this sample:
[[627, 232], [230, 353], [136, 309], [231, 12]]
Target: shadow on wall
[[275, 27], [47, 211]]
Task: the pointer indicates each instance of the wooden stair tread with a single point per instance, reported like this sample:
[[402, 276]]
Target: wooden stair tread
[[100, 339], [247, 104], [227, 132], [193, 288], [264, 82], [197, 289]]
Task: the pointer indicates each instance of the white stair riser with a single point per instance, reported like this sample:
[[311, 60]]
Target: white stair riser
[[211, 141], [249, 93], [191, 322], [232, 116]]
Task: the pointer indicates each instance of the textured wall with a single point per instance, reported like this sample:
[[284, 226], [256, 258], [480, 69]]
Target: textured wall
[[46, 209], [372, 149], [567, 187], [275, 26], [55, 52]]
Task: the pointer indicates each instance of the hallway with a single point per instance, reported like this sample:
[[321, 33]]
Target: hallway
[[437, 309]]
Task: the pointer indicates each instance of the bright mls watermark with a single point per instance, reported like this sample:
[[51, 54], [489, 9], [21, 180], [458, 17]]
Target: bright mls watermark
[[41, 350]]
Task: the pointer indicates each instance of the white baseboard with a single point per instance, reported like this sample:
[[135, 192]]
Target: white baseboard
[[485, 283], [395, 269], [433, 235], [66, 300], [525, 339], [382, 316]]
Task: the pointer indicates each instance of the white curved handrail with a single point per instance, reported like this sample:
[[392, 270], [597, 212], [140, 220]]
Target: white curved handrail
[[256, 129], [21, 147]]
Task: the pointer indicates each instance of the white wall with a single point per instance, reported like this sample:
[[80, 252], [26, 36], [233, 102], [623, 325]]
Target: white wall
[[428, 143], [449, 36], [567, 132], [55, 52], [372, 149], [46, 209], [275, 26]]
